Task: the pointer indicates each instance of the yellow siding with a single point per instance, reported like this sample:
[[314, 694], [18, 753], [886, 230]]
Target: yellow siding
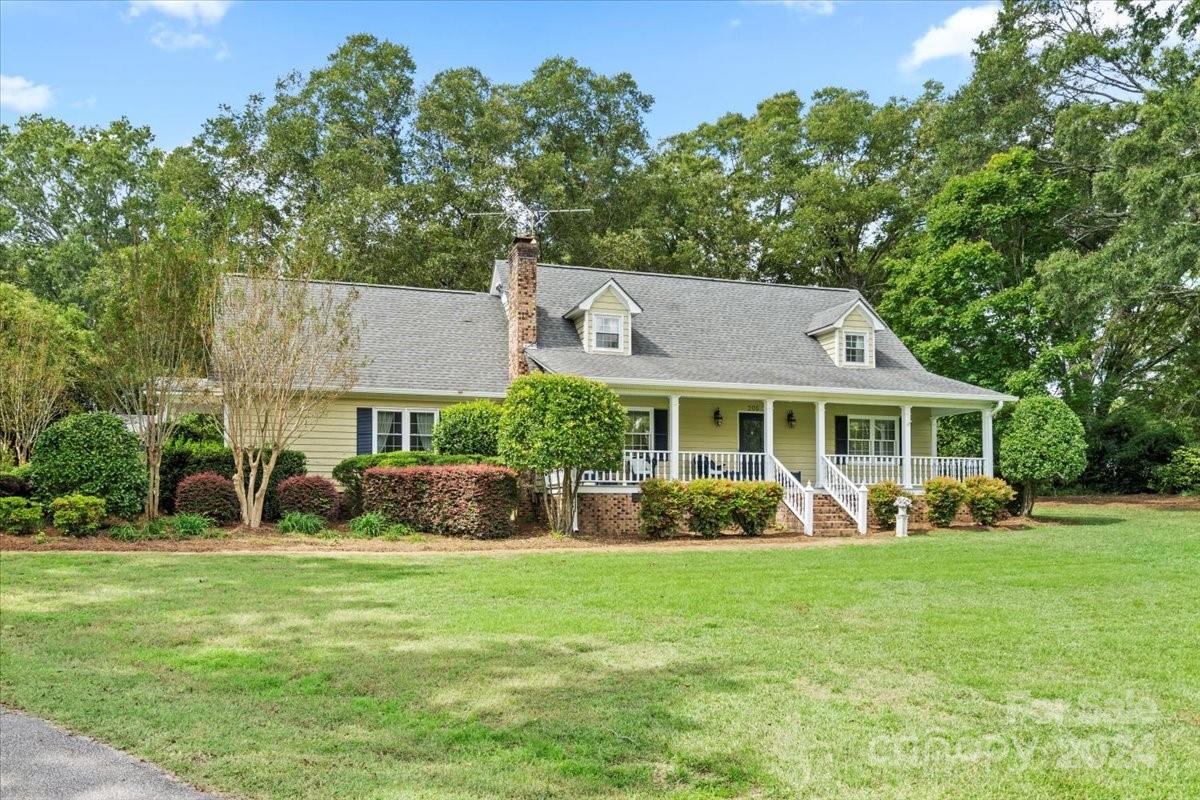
[[609, 303], [858, 322], [829, 341], [333, 436]]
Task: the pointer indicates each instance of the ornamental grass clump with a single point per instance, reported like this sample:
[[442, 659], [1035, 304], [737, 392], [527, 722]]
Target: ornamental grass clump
[[300, 522]]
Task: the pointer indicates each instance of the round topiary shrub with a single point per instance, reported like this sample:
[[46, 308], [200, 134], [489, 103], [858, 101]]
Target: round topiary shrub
[[308, 494], [208, 494], [92, 454], [468, 429]]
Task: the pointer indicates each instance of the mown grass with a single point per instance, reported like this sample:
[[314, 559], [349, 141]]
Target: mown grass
[[1053, 662]]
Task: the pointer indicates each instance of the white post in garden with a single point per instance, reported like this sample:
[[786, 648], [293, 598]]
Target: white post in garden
[[906, 445], [861, 507], [769, 438], [987, 442], [806, 512], [673, 434], [820, 444], [902, 504]]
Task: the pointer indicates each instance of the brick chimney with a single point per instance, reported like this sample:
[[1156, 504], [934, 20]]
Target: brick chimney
[[521, 295]]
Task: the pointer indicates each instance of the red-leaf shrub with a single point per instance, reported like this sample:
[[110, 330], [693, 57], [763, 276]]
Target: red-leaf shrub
[[476, 500], [208, 495], [309, 494]]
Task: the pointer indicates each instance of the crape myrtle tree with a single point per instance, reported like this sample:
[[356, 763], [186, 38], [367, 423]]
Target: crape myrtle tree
[[561, 426], [281, 348], [1044, 442], [43, 348], [151, 337]]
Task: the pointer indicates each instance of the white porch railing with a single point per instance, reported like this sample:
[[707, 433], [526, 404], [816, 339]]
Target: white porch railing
[[695, 464], [877, 469], [850, 496], [925, 467], [796, 497], [636, 466]]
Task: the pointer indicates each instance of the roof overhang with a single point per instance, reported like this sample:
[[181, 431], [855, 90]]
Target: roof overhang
[[610, 284], [860, 304]]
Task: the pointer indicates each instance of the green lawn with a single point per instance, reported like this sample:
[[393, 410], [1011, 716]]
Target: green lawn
[[1052, 662]]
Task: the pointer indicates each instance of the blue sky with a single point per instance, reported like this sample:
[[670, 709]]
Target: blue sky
[[170, 63]]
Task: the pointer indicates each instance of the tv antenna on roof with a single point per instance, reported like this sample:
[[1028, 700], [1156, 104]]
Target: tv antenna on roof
[[526, 220]]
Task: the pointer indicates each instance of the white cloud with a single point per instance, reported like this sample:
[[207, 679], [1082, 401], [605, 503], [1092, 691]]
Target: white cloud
[[193, 12], [954, 37], [171, 40], [24, 96], [87, 102], [735, 23], [819, 7]]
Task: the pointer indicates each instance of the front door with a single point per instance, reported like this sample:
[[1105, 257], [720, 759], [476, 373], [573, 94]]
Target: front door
[[750, 432]]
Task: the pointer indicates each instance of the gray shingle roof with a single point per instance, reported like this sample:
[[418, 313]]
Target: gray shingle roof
[[429, 340], [700, 330], [827, 316]]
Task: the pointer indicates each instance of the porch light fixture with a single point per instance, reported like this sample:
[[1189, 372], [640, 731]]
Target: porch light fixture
[[717, 418], [791, 418]]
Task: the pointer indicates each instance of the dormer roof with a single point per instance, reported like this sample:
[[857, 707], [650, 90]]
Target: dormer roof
[[609, 285], [832, 318]]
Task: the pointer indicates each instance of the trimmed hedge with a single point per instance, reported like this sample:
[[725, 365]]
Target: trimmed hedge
[[182, 459], [476, 500], [91, 454], [349, 473], [20, 515], [308, 494], [986, 498], [943, 497], [468, 428], [662, 508], [708, 505], [78, 514], [881, 500], [209, 495]]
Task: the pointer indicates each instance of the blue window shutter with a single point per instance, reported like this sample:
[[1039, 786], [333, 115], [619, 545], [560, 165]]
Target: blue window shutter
[[661, 421], [363, 434], [841, 436]]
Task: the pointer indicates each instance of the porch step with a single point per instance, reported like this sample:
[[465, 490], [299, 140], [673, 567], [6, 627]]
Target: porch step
[[829, 519]]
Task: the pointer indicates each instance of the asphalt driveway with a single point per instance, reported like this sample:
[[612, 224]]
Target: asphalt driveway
[[41, 762]]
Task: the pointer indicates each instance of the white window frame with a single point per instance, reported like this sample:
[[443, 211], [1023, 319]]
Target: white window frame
[[405, 425], [620, 318], [649, 412], [866, 343], [871, 420]]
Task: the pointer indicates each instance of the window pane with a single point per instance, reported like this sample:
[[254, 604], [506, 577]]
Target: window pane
[[608, 332], [639, 430], [389, 431], [420, 433], [859, 447], [859, 428], [885, 437], [856, 348]]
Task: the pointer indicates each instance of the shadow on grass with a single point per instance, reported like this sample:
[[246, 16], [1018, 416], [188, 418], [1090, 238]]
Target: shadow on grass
[[1084, 521]]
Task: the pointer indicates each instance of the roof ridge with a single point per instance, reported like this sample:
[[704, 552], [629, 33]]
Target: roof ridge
[[699, 278], [374, 285]]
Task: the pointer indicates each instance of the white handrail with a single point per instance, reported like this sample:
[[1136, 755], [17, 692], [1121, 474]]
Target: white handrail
[[926, 467], [851, 497], [797, 497], [636, 466], [694, 464]]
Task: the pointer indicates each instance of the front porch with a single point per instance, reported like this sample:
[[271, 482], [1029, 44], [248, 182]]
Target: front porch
[[809, 446]]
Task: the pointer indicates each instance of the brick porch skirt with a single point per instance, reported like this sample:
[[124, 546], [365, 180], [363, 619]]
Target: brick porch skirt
[[608, 514]]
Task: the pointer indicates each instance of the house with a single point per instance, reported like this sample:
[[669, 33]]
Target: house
[[803, 385]]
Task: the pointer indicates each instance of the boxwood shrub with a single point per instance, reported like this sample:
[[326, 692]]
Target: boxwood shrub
[[468, 428], [477, 500], [349, 473], [20, 515], [881, 500], [309, 494], [710, 505], [91, 454], [943, 498], [77, 514], [208, 494], [662, 509], [754, 505], [986, 498]]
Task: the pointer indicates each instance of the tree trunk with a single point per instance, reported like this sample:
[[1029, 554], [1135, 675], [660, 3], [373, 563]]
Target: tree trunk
[[154, 488], [1028, 494]]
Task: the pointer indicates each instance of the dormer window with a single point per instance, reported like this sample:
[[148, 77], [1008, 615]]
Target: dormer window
[[607, 331], [855, 348]]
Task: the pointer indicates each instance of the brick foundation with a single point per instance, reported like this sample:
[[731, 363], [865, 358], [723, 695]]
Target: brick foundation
[[608, 515]]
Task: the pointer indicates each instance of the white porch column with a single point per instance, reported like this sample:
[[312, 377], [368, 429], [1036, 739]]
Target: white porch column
[[933, 436], [769, 438], [906, 445], [673, 434], [820, 444], [987, 442]]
